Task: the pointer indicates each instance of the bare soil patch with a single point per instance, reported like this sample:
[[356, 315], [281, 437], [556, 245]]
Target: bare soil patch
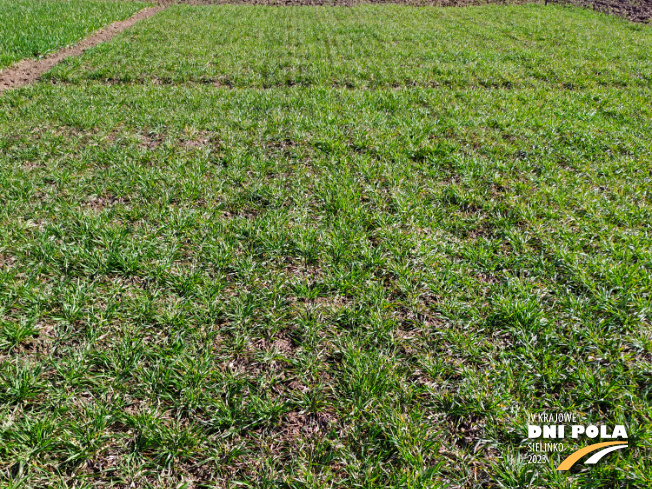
[[30, 70], [634, 10]]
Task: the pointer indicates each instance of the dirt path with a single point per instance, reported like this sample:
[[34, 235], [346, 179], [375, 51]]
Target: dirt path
[[30, 70]]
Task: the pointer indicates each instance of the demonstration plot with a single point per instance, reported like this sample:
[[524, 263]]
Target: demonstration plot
[[347, 286], [341, 248], [372, 46], [33, 28]]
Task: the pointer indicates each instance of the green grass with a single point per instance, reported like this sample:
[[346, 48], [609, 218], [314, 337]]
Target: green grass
[[318, 286], [33, 28], [388, 46]]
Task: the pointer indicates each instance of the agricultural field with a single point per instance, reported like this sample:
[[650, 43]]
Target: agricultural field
[[373, 47], [33, 28], [328, 247]]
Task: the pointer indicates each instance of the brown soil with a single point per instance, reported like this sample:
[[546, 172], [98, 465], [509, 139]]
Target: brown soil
[[30, 70], [634, 10]]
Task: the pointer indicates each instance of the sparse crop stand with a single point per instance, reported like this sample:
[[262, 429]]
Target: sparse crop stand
[[326, 247]]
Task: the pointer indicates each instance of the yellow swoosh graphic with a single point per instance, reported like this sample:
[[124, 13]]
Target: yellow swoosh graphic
[[574, 457], [595, 458]]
